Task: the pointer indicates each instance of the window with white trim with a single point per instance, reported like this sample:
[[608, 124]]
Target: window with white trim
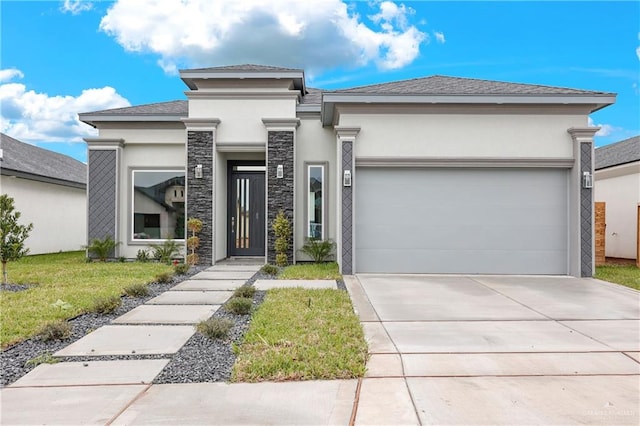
[[315, 201], [157, 205]]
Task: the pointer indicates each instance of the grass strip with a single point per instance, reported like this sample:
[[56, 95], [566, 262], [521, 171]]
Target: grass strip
[[302, 334], [626, 275], [311, 271], [65, 277]]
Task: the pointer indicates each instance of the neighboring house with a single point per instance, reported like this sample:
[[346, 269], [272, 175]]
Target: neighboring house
[[49, 190], [434, 175], [617, 183]]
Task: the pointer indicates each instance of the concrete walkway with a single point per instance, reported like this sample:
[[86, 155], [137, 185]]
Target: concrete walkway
[[498, 350]]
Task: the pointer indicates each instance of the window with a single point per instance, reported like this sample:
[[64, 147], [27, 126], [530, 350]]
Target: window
[[315, 202], [158, 204]]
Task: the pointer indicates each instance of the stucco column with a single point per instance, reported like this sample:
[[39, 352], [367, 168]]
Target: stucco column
[[103, 189], [581, 204], [346, 138], [280, 191], [199, 182]]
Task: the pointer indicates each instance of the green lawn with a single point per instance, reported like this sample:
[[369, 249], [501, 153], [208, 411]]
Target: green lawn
[[66, 277], [302, 334], [311, 271], [627, 275]]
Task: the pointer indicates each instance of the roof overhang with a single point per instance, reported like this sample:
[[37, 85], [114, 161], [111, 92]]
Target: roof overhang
[[40, 178], [189, 76], [330, 100], [92, 119]]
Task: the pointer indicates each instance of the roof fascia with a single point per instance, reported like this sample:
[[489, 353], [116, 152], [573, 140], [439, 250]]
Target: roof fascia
[[97, 118], [188, 76], [39, 178]]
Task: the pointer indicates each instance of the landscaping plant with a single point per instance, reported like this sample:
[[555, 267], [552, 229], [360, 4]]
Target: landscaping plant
[[193, 242], [215, 328], [181, 268], [101, 248], [166, 251], [318, 250], [239, 305], [106, 305], [143, 256], [12, 234], [245, 291], [55, 330], [137, 290], [164, 277], [269, 269], [282, 230]]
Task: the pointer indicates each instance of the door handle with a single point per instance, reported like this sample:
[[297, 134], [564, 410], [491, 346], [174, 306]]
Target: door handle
[[233, 224]]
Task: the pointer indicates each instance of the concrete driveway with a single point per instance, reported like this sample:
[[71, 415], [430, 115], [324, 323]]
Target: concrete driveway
[[498, 350]]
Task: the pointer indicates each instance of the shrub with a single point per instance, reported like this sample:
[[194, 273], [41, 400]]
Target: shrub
[[102, 248], [282, 230], [192, 259], [143, 256], [318, 250], [215, 328], [239, 305], [181, 268], [106, 305], [137, 290], [122, 259], [164, 277], [165, 251], [193, 242], [57, 330], [12, 234], [247, 291], [269, 269]]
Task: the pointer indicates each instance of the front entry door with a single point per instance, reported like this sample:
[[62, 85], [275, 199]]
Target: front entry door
[[246, 227]]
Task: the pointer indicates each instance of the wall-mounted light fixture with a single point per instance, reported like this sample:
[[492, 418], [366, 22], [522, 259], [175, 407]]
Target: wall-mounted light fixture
[[587, 180], [280, 171], [346, 181], [198, 171]]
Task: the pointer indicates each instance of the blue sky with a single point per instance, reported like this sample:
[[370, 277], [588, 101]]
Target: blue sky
[[60, 58]]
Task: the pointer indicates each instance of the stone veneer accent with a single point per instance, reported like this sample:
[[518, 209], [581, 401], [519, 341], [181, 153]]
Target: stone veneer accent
[[347, 209], [101, 191], [200, 150], [586, 212], [279, 191]]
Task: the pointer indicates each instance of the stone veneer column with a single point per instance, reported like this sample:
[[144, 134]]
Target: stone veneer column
[[103, 188], [346, 226], [200, 192], [582, 205], [280, 191]]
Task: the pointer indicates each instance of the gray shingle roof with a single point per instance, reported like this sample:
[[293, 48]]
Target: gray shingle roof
[[180, 108], [443, 85], [243, 67], [22, 157], [313, 96], [618, 153]]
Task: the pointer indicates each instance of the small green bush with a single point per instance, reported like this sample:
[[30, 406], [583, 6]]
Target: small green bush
[[282, 259], [102, 248], [166, 251], [181, 268], [269, 269], [164, 277], [239, 305], [106, 305], [215, 328], [318, 250], [57, 330], [137, 290], [245, 291], [282, 231], [143, 256]]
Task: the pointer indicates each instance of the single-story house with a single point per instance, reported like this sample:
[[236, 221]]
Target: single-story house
[[617, 183], [50, 191], [429, 175]]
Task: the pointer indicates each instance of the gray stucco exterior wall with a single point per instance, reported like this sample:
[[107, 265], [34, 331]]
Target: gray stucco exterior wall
[[280, 151], [586, 213], [101, 194], [347, 209], [200, 151]]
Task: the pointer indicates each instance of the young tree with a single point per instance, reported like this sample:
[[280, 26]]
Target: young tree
[[12, 234]]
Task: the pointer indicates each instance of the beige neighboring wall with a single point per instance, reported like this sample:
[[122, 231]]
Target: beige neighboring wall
[[58, 214], [619, 188]]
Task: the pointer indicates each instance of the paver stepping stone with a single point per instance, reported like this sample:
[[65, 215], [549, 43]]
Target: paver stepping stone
[[209, 285], [71, 405], [191, 298], [167, 314], [223, 275], [94, 373], [235, 268], [269, 284], [130, 339]]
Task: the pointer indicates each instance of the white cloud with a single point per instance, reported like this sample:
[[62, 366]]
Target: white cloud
[[76, 7], [9, 74], [605, 129], [439, 37], [37, 117], [638, 48], [312, 34]]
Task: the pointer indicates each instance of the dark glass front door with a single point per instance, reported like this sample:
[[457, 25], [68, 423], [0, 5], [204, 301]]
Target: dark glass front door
[[246, 227]]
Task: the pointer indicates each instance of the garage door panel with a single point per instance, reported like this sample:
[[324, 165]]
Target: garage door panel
[[461, 220]]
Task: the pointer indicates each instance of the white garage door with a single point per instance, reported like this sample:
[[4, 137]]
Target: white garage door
[[485, 221]]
